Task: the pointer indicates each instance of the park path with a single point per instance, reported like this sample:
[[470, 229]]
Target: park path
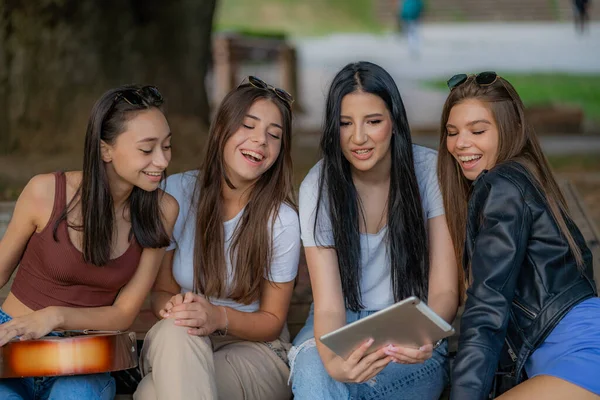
[[446, 49]]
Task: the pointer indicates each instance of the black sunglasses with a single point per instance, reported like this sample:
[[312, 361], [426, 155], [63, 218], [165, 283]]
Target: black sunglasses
[[260, 84], [483, 79], [139, 97]]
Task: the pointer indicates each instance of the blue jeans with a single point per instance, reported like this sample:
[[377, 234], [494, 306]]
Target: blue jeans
[[310, 379], [76, 387]]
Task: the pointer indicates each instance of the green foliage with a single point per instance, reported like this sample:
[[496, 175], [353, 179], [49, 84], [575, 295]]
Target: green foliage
[[306, 18], [555, 7], [552, 88]]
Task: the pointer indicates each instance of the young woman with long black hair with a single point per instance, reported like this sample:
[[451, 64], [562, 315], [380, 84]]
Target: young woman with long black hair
[[374, 233], [89, 243]]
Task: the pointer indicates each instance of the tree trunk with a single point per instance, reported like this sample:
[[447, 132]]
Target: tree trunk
[[58, 56]]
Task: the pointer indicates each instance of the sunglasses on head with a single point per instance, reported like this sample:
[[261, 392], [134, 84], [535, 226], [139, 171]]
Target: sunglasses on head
[[482, 79], [260, 84], [139, 97]]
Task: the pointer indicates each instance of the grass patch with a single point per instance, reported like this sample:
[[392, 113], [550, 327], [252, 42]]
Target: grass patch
[[552, 88], [301, 18]]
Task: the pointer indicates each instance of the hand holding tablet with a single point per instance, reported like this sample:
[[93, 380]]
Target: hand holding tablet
[[408, 323]]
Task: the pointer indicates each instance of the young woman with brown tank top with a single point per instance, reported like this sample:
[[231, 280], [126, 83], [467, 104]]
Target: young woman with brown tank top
[[89, 243]]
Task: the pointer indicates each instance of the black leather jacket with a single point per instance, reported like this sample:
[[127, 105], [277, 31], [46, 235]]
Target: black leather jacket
[[524, 277]]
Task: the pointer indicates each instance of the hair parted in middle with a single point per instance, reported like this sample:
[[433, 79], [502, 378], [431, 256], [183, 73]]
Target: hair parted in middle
[[406, 234], [251, 245]]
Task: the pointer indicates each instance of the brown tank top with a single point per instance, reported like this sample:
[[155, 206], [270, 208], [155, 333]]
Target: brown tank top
[[53, 273]]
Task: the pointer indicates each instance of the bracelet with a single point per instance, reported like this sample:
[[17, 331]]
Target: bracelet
[[226, 322]]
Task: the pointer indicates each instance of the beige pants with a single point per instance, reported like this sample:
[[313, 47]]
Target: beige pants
[[176, 365]]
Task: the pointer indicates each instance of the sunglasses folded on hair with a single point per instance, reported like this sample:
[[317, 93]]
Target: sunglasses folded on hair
[[260, 84], [485, 78], [137, 97]]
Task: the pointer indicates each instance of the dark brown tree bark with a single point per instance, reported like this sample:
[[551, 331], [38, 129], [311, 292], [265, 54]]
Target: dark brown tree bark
[[58, 56]]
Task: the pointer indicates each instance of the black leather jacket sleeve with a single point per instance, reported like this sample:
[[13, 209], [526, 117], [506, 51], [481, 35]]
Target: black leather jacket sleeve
[[499, 233]]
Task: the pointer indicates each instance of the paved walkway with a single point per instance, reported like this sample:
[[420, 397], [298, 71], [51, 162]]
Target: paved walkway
[[446, 49]]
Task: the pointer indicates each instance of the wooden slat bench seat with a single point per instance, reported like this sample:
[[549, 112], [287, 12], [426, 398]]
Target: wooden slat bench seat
[[302, 296]]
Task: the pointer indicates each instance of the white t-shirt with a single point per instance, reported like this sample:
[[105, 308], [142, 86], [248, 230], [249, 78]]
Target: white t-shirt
[[286, 241], [375, 274]]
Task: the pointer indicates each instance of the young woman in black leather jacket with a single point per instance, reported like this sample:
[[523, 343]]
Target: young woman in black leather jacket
[[531, 289]]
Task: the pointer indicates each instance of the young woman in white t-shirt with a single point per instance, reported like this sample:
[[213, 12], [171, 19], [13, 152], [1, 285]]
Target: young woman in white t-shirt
[[374, 233], [226, 282]]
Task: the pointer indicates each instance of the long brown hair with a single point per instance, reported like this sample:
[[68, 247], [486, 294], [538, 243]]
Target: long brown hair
[[516, 142], [251, 246]]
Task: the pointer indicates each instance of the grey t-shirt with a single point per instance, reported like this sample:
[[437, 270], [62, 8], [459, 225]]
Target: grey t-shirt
[[375, 280]]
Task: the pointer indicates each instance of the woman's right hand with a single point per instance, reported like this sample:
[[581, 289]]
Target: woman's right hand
[[175, 300], [359, 368]]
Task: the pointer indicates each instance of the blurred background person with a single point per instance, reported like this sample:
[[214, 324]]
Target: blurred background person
[[409, 15], [581, 11]]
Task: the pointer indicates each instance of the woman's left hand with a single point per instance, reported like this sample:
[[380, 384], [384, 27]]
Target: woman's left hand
[[31, 326], [198, 314], [407, 355]]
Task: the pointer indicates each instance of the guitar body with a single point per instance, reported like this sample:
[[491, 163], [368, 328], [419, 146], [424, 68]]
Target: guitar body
[[74, 353]]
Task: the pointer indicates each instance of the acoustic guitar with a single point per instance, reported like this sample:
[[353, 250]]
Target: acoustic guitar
[[72, 353]]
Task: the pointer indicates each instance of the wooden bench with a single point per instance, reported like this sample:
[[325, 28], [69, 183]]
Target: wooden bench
[[231, 50], [302, 297]]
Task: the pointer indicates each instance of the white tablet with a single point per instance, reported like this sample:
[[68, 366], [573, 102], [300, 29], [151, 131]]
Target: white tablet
[[409, 323]]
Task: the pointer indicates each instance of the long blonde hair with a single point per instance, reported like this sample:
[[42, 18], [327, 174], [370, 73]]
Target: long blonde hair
[[517, 142]]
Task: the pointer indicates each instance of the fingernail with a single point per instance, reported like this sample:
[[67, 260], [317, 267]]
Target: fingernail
[[370, 341], [390, 346], [422, 348]]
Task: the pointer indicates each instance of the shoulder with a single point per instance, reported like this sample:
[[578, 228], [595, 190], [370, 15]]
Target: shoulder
[[182, 184], [510, 176], [287, 216], [37, 197], [506, 182], [424, 158], [40, 188], [309, 191], [36, 200], [425, 162], [313, 178], [168, 206]]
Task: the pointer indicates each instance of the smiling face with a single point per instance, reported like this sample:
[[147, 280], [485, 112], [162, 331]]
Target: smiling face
[[365, 131], [254, 147], [472, 137], [142, 152]]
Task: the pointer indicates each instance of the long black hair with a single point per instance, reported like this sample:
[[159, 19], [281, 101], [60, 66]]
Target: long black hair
[[406, 235], [107, 121]]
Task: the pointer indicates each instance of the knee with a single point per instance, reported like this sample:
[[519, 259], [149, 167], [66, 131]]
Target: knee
[[306, 365], [94, 386], [165, 334], [145, 389]]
